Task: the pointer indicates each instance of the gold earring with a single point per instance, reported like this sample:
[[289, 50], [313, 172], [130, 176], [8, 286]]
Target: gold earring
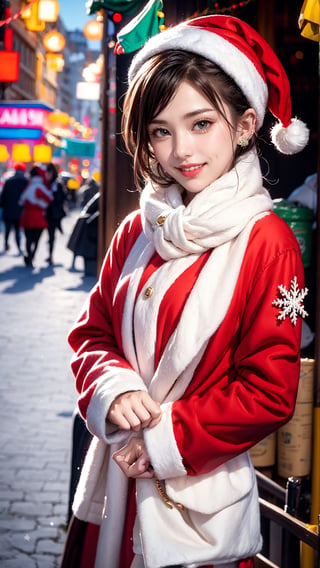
[[243, 142]]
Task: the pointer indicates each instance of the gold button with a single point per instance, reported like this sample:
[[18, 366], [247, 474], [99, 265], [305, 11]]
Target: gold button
[[161, 219], [148, 292]]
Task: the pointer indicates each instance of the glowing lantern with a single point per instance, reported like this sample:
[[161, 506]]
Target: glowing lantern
[[116, 17], [96, 176], [21, 153], [8, 39], [4, 154], [25, 13], [55, 62], [9, 66], [34, 24], [87, 91], [73, 184], [100, 64], [59, 116], [89, 75], [54, 41], [87, 133], [42, 153], [100, 15], [85, 173], [48, 10], [93, 30]]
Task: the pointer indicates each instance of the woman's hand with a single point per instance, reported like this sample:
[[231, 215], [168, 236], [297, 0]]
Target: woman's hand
[[133, 459], [134, 410]]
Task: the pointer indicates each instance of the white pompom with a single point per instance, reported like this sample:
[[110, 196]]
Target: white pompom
[[292, 139]]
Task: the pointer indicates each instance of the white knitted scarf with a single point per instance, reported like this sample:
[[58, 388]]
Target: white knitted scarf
[[220, 218], [214, 217]]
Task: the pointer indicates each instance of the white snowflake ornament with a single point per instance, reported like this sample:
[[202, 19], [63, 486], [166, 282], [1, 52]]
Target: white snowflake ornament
[[291, 303]]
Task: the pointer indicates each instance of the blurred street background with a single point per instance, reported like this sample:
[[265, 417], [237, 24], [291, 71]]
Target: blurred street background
[[37, 399]]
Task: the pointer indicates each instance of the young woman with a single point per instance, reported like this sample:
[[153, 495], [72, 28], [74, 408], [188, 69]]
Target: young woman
[[187, 352]]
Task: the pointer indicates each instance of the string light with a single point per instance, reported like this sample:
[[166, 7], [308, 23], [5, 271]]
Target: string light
[[18, 14], [161, 15], [218, 9]]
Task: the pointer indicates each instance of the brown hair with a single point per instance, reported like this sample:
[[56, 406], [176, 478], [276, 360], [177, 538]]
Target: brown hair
[[153, 88]]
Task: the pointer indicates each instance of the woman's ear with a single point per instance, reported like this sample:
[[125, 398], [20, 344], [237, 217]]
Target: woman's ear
[[247, 125]]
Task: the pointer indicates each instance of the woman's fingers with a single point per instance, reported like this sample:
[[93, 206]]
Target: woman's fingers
[[134, 460], [153, 408], [134, 410]]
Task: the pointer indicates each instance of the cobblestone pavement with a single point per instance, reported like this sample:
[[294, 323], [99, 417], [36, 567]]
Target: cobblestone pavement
[[37, 399]]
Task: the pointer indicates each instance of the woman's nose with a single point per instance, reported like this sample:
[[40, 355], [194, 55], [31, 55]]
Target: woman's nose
[[181, 146]]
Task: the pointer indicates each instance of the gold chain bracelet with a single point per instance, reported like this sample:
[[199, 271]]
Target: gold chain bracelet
[[165, 498]]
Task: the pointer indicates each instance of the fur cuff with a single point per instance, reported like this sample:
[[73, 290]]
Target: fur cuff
[[112, 384], [162, 447]]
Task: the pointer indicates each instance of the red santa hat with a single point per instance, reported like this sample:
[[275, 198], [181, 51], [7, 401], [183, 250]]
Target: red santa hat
[[244, 55]]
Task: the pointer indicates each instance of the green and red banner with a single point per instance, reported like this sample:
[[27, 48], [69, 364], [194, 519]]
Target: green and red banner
[[122, 6], [143, 26]]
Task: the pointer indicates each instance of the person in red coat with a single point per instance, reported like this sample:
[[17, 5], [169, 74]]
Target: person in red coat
[[35, 200], [187, 352]]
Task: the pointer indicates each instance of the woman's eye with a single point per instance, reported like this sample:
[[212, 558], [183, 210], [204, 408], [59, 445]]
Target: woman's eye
[[202, 125], [159, 132]]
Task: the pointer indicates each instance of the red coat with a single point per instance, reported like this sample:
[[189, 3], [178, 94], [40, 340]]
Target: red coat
[[245, 384], [35, 200]]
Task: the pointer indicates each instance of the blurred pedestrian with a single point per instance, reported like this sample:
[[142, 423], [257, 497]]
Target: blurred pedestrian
[[55, 211], [83, 240], [35, 200], [88, 190], [9, 201]]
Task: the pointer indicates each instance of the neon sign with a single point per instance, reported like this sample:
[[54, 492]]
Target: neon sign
[[22, 117]]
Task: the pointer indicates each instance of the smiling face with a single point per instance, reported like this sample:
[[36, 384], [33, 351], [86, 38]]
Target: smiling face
[[191, 140], [182, 119]]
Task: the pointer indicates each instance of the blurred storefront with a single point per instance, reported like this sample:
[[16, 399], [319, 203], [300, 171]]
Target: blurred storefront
[[39, 106], [23, 127]]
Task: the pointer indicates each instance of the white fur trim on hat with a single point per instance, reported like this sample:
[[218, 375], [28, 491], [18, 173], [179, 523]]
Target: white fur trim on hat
[[243, 54], [223, 53]]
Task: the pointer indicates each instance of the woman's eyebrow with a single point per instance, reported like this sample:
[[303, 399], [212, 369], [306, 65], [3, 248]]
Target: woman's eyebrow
[[187, 115]]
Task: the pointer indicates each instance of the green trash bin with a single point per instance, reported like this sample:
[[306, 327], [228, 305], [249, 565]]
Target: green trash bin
[[300, 220]]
